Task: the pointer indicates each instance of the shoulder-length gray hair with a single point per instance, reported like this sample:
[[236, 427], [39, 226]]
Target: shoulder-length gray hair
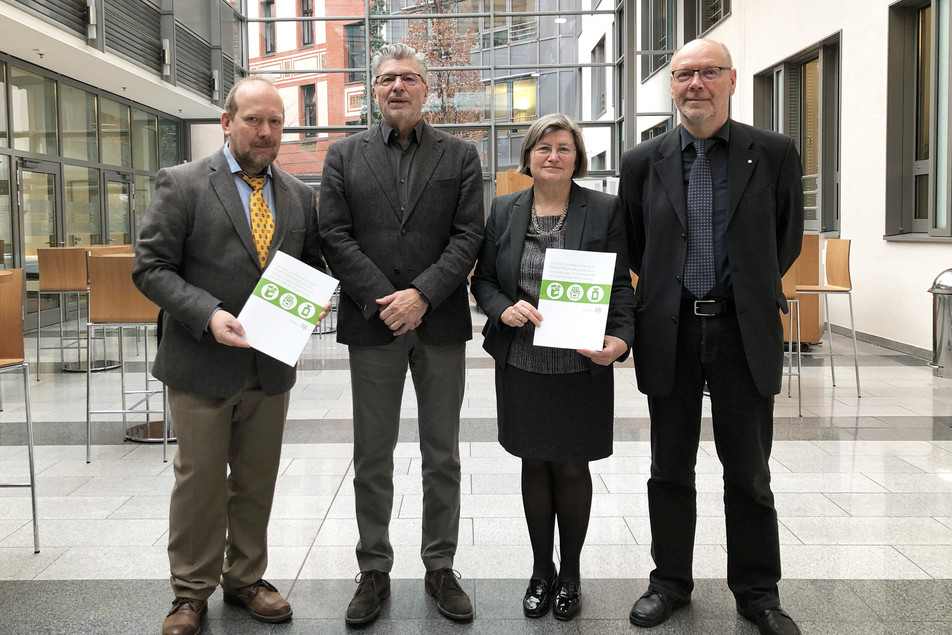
[[543, 126], [397, 52]]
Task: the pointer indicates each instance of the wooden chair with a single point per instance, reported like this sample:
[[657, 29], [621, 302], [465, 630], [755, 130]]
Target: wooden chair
[[115, 302], [12, 358], [789, 281], [838, 282], [62, 272]]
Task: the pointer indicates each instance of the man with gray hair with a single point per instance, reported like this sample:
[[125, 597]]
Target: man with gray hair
[[401, 217]]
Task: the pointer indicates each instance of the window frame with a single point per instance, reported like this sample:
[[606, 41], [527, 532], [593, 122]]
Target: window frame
[[658, 18], [902, 121], [268, 32]]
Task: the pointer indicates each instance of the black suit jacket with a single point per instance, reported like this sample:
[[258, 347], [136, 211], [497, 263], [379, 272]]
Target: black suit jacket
[[196, 253], [594, 223], [375, 250], [764, 236]]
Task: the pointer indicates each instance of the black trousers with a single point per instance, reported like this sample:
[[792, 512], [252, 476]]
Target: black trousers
[[710, 349]]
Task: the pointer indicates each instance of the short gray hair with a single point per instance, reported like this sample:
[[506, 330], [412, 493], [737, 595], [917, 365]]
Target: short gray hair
[[543, 126], [397, 52]]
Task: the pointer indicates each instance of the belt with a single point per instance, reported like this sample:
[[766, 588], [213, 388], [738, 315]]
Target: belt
[[711, 308]]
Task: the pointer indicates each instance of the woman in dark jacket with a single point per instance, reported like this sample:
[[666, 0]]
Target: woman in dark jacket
[[554, 405]]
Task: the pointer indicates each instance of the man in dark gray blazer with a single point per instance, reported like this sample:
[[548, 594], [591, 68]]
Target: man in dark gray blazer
[[715, 218], [401, 217], [197, 259]]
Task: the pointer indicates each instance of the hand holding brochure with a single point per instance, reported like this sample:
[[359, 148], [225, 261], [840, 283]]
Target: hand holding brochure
[[573, 300], [282, 312]]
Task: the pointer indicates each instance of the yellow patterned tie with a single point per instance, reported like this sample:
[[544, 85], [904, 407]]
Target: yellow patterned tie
[[262, 222]]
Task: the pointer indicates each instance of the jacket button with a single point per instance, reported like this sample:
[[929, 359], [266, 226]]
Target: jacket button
[[684, 236], [403, 232], [678, 278], [674, 319]]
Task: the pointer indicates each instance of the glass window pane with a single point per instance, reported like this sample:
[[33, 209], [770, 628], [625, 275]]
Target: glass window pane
[[923, 84], [80, 129], [34, 112], [81, 204], [4, 138], [6, 214], [145, 140], [170, 149], [454, 97], [116, 149], [145, 185], [523, 100]]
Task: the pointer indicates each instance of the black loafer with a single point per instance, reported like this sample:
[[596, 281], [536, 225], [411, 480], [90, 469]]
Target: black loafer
[[773, 621], [538, 596], [654, 608], [568, 600]]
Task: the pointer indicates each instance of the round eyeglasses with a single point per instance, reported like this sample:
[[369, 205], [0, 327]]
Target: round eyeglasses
[[408, 79], [709, 74]]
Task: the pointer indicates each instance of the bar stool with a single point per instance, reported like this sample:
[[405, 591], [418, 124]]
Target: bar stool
[[12, 358], [838, 282], [789, 282], [115, 302], [62, 272]]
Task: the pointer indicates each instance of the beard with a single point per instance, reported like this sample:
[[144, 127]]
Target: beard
[[256, 158]]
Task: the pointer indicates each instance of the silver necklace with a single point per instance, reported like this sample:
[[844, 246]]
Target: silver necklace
[[558, 224]]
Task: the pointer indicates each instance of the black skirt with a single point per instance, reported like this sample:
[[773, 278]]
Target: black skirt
[[555, 417]]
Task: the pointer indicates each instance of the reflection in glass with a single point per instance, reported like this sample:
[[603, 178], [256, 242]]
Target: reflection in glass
[[39, 213], [145, 185], [145, 135], [921, 209], [810, 135], [924, 84], [116, 149], [81, 204], [80, 129], [523, 100], [34, 112], [170, 151], [4, 138], [119, 208], [6, 214]]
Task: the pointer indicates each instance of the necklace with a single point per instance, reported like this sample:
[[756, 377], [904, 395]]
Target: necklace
[[558, 224]]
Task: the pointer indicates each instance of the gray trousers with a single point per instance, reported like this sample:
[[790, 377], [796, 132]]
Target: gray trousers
[[377, 375]]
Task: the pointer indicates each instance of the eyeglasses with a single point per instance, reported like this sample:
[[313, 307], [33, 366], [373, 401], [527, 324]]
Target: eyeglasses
[[709, 74], [408, 79], [544, 150]]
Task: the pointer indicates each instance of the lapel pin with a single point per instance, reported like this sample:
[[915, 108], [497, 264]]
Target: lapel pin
[[749, 161]]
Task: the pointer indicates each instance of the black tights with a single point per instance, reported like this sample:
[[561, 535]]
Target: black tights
[[553, 490]]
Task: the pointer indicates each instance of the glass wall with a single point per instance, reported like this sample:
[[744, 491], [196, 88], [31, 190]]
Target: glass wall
[[494, 67]]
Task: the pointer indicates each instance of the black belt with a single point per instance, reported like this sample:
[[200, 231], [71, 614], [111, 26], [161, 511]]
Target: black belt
[[710, 308]]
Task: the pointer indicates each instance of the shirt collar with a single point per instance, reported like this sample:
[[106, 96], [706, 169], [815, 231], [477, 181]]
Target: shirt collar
[[233, 165], [415, 135], [723, 133]]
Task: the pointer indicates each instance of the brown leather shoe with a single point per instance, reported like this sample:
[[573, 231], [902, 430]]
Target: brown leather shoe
[[185, 618], [262, 600]]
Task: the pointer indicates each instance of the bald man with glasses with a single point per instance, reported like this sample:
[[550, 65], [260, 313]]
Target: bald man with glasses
[[715, 218]]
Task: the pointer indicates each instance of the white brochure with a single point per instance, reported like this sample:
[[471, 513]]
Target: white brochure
[[573, 300], [281, 313]]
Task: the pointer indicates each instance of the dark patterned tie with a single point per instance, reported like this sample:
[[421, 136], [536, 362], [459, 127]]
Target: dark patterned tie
[[262, 222], [699, 264]]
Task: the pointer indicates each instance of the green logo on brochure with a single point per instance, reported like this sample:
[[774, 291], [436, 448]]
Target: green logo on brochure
[[287, 300], [575, 292]]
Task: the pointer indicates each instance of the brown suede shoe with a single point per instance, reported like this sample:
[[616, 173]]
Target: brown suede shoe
[[185, 618], [451, 599], [262, 600]]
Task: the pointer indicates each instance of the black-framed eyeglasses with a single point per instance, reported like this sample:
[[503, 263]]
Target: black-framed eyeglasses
[[709, 74], [408, 79]]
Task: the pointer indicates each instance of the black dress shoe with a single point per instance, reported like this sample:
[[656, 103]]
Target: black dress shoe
[[654, 608], [568, 600], [538, 596], [773, 621]]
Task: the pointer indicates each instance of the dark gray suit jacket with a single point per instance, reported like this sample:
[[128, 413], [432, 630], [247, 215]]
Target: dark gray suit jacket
[[594, 223], [764, 236], [196, 253], [374, 250]]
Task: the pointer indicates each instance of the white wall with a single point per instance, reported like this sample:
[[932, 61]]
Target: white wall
[[890, 278]]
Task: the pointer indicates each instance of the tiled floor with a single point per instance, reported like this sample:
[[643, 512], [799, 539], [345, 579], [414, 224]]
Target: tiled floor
[[863, 488]]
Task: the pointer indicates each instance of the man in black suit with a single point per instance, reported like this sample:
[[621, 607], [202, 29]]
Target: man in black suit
[[715, 218], [401, 217], [198, 258]]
